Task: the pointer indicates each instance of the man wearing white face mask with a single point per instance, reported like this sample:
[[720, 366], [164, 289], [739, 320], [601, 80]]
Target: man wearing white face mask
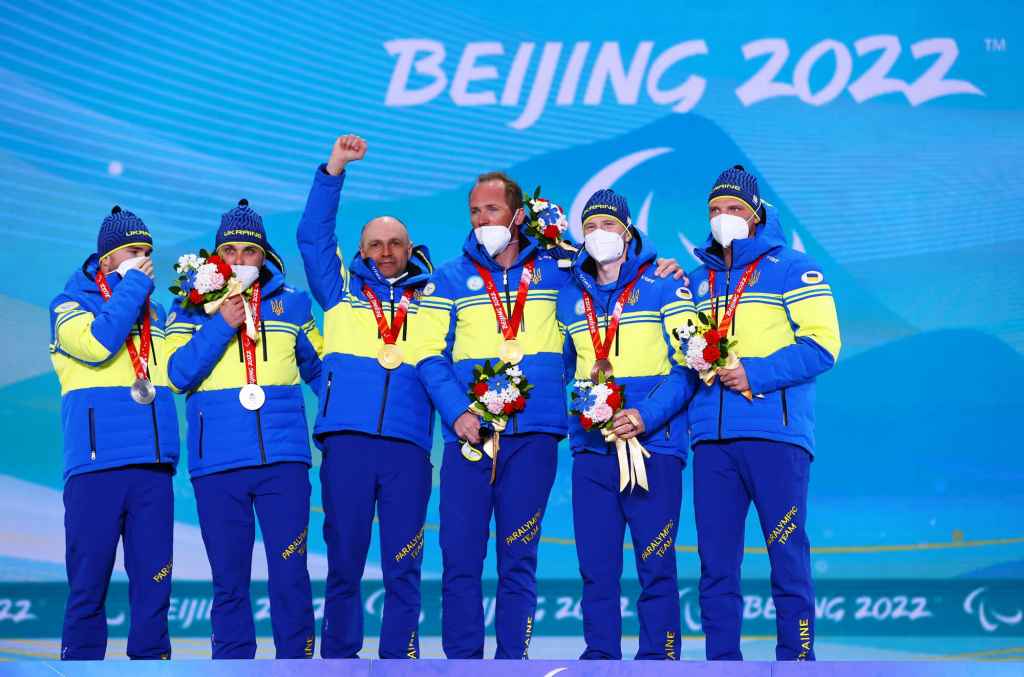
[[502, 293], [247, 438], [618, 319], [777, 305], [120, 441]]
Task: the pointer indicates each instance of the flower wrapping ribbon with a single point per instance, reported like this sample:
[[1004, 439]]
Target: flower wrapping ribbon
[[631, 455]]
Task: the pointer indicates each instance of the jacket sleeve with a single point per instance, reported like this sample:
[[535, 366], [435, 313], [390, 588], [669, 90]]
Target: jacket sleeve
[[194, 349], [95, 338], [309, 347], [807, 298], [326, 273], [434, 366], [674, 392]]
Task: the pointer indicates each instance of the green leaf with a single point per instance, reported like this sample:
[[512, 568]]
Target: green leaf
[[702, 317], [204, 254]]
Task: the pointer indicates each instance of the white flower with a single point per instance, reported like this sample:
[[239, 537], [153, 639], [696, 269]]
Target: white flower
[[696, 344], [510, 394], [188, 262], [687, 331], [516, 380], [208, 278], [513, 372], [601, 392]]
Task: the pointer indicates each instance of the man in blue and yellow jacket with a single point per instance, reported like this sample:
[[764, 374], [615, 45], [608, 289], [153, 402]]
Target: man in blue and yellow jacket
[[375, 423], [757, 449], [618, 316], [248, 442], [120, 441], [501, 268]]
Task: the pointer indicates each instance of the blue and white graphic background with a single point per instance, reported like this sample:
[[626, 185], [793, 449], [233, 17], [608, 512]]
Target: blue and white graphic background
[[890, 138]]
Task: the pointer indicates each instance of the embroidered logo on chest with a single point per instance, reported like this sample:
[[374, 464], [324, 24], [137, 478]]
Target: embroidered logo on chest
[[277, 307]]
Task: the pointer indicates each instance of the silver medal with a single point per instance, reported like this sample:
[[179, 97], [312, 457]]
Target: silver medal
[[252, 396], [143, 391]]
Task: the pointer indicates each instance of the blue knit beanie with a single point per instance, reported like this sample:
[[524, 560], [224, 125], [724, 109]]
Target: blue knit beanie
[[606, 202], [119, 230], [243, 226], [736, 182]]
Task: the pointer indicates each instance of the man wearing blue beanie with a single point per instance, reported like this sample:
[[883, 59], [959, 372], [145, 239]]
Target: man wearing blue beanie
[[777, 305], [120, 441], [618, 318], [248, 443]]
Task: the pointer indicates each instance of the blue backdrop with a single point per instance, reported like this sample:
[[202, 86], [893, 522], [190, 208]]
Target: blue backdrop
[[891, 139]]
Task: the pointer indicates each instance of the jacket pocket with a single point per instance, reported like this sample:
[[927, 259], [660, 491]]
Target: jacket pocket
[[327, 395], [92, 434], [785, 409], [202, 425]]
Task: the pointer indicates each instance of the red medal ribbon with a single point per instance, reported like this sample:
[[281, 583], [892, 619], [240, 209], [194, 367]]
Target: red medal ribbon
[[509, 327], [140, 357], [734, 300], [389, 334], [248, 344], [601, 350]]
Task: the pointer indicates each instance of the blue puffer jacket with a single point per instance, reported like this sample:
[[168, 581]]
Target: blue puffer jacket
[[787, 334], [473, 335], [358, 394], [103, 427], [207, 363], [642, 353]]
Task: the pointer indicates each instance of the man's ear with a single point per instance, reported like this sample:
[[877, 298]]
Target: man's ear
[[519, 217]]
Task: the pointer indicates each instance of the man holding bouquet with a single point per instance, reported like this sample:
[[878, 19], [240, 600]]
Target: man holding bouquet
[[240, 362], [627, 429], [120, 441], [753, 430], [375, 422]]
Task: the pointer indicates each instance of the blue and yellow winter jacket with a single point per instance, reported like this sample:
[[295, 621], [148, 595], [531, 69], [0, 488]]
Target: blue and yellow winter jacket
[[642, 353], [207, 363], [787, 334], [473, 335], [103, 427], [357, 393]]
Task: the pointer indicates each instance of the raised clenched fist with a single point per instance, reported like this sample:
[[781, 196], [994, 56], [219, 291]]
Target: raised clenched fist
[[347, 148]]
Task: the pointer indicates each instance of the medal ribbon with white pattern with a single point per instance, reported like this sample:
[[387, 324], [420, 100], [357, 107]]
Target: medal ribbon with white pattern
[[511, 351], [734, 300], [603, 348], [389, 356], [252, 395], [140, 356]]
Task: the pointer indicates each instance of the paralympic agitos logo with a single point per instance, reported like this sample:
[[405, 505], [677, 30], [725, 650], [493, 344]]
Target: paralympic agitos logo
[[488, 74]]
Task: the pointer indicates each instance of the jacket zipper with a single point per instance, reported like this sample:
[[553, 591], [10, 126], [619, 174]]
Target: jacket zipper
[[201, 427], [156, 431], [721, 388], [263, 337], [327, 397], [92, 435], [259, 436], [785, 409]]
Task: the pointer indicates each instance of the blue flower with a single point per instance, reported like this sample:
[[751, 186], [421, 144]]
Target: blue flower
[[498, 383], [550, 216], [188, 282]]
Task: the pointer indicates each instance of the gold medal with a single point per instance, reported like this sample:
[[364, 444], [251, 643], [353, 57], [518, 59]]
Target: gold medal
[[601, 366], [389, 356], [511, 351]]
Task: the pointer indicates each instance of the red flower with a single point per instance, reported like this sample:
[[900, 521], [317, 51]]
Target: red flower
[[614, 401], [712, 337], [195, 297], [586, 422], [222, 267], [479, 389], [509, 408], [551, 232], [520, 403], [712, 353]]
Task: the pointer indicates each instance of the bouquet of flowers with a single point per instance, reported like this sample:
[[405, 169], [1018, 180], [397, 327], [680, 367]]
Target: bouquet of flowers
[[206, 281], [497, 391], [596, 405], [546, 222], [706, 349]]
